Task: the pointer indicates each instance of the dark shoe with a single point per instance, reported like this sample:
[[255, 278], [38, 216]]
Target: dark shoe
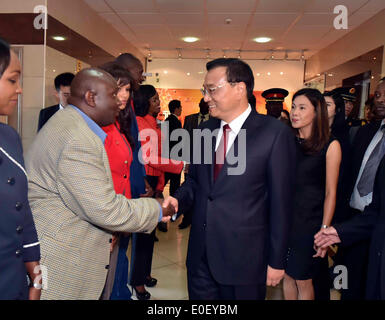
[[183, 225], [162, 226], [150, 282], [142, 295], [156, 239]]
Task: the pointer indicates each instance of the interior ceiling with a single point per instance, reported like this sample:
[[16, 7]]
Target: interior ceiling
[[157, 26]]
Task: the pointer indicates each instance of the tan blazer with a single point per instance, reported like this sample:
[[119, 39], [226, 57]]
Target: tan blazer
[[75, 207]]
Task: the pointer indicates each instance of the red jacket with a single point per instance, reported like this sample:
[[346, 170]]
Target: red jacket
[[155, 165], [120, 157]]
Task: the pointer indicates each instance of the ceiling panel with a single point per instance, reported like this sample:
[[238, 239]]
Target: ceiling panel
[[238, 19], [317, 19], [230, 6], [288, 6], [98, 5], [141, 18], [173, 6], [183, 19], [274, 19], [132, 6], [327, 6]]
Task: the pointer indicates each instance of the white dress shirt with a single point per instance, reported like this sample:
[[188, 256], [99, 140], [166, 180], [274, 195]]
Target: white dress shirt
[[235, 127], [356, 201]]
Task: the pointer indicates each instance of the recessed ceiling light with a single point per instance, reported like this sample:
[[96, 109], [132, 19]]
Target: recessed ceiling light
[[165, 71], [58, 38], [258, 74], [188, 73], [190, 39], [281, 73], [268, 73], [262, 39]]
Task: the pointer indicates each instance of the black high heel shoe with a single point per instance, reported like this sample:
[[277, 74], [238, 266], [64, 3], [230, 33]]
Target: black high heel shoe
[[142, 295], [150, 282]]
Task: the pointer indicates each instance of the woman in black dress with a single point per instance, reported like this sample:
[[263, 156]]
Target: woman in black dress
[[318, 162]]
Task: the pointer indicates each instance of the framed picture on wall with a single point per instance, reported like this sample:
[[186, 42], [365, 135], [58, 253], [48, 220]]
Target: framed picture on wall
[[317, 83]]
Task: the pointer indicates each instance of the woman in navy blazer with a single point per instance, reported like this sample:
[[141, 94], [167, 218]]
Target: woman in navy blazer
[[19, 246]]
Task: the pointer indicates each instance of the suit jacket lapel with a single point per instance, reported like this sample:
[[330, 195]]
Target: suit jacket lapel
[[250, 124]]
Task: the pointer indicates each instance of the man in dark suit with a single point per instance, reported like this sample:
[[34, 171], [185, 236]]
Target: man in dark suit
[[242, 207], [364, 163], [192, 121], [63, 91], [175, 108]]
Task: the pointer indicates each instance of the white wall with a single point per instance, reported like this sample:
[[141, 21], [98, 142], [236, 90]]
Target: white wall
[[177, 77], [57, 63]]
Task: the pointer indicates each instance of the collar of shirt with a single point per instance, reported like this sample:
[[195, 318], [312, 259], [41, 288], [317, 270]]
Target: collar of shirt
[[60, 106], [91, 124], [235, 126]]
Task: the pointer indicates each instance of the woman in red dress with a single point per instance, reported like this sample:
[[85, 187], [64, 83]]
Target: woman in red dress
[[147, 108], [118, 145]]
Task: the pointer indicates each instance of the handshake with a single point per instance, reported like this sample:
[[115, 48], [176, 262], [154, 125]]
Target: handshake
[[169, 207]]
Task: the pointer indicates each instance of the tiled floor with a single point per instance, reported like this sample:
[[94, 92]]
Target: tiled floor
[[168, 266]]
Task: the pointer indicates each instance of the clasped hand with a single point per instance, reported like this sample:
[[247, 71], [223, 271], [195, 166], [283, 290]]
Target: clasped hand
[[323, 239], [169, 207]]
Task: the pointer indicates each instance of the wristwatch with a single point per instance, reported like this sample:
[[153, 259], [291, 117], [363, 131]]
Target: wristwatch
[[324, 226]]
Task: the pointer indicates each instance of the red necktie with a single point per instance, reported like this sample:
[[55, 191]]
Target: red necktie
[[220, 154]]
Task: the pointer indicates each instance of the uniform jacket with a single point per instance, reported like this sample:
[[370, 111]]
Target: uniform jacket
[[75, 207], [242, 221], [18, 237]]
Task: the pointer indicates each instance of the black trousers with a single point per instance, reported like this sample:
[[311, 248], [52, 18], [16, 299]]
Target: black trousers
[[142, 250], [174, 181], [356, 259], [202, 286]]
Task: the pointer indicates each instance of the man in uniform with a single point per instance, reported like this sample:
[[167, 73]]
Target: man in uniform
[[274, 101]]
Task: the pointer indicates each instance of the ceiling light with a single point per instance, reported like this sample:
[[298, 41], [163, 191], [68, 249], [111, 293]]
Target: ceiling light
[[281, 73], [190, 39], [165, 71], [268, 73], [59, 38], [188, 73], [262, 39], [258, 74]]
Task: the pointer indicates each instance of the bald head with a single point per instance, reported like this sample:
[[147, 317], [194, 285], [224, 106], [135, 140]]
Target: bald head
[[89, 79], [94, 91]]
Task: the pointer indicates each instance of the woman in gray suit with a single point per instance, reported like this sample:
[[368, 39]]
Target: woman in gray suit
[[19, 246]]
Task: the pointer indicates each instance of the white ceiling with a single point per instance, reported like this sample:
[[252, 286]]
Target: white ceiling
[[294, 25]]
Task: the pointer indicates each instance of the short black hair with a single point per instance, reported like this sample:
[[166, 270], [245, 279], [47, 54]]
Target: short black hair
[[237, 71], [63, 79], [174, 104], [5, 56], [118, 72], [142, 99], [127, 59]]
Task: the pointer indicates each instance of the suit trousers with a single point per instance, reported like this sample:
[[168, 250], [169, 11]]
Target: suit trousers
[[356, 259], [174, 181], [142, 250], [203, 286]]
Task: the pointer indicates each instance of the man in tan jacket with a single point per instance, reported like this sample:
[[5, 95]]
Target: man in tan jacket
[[71, 192]]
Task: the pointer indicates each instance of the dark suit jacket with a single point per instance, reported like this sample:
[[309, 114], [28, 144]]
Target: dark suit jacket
[[174, 124], [18, 237], [361, 142], [45, 114], [371, 223], [242, 221], [191, 122]]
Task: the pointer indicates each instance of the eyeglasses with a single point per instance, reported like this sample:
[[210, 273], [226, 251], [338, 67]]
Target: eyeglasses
[[211, 91]]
